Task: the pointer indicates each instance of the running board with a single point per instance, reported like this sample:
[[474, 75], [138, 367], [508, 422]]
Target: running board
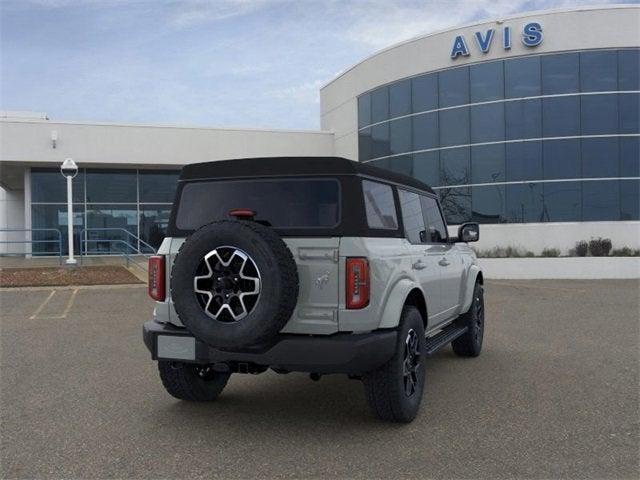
[[444, 338]]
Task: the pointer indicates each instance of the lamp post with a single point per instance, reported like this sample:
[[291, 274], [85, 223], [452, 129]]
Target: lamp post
[[69, 169]]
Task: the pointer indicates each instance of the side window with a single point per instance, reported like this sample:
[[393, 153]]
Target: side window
[[436, 229], [379, 205], [412, 217]]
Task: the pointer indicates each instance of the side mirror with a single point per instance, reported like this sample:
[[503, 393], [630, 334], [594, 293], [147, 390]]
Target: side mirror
[[469, 232]]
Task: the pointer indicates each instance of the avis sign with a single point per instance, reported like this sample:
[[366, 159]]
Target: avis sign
[[531, 37]]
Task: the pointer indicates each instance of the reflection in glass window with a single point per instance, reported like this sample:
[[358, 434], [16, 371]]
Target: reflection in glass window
[[487, 123], [523, 119], [48, 185], [522, 77], [524, 203], [116, 219], [424, 92], [599, 114], [380, 104], [153, 224], [158, 187], [561, 116], [630, 157], [523, 161], [600, 200], [111, 186], [454, 166], [560, 73], [402, 164], [364, 110], [425, 131], [629, 112], [561, 159], [454, 127], [379, 205], [454, 87], [487, 204], [599, 71], [400, 135], [54, 217], [412, 218], [600, 157], [487, 81], [436, 229], [365, 144], [456, 204], [562, 201], [400, 98], [487, 163], [380, 140], [426, 167], [630, 200], [629, 69]]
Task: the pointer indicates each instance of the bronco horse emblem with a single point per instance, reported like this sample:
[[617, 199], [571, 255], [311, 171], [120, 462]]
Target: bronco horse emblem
[[322, 280]]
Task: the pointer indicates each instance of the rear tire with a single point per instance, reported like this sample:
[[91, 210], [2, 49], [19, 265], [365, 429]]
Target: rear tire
[[188, 381], [394, 391], [470, 344]]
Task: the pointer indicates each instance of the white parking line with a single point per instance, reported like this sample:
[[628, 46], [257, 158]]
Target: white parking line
[[42, 305], [64, 313]]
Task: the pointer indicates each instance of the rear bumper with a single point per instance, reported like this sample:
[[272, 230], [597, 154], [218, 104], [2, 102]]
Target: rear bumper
[[339, 353]]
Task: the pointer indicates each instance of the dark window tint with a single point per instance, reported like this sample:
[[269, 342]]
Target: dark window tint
[[562, 201], [487, 163], [629, 112], [560, 73], [456, 204], [629, 69], [524, 203], [400, 98], [487, 81], [51, 217], [454, 87], [487, 123], [283, 203], [522, 77], [380, 104], [436, 230], [599, 114], [400, 135], [600, 200], [365, 144], [600, 157], [425, 92], [629, 200], [426, 167], [523, 119], [561, 116], [598, 71], [425, 131], [454, 166], [454, 127], [523, 161], [380, 140], [561, 159], [154, 220], [48, 185], [364, 110], [379, 205], [111, 186], [488, 204], [412, 218], [630, 157], [158, 187]]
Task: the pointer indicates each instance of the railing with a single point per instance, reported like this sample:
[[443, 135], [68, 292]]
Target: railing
[[130, 245], [31, 241]]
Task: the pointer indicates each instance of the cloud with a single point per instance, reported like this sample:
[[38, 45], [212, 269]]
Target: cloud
[[194, 12]]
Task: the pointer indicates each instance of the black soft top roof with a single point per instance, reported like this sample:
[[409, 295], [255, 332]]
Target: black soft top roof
[[292, 166]]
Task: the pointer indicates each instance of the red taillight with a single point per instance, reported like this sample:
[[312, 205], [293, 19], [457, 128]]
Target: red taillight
[[156, 277], [357, 282]]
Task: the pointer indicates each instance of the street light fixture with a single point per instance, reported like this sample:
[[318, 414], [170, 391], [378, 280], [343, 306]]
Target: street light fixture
[[69, 169]]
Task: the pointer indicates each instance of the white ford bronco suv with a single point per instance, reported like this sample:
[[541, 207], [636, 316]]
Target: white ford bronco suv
[[318, 265]]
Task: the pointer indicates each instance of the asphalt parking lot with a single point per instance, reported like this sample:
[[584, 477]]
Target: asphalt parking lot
[[553, 395]]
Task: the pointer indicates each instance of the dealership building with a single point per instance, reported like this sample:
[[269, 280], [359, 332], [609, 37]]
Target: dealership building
[[527, 124]]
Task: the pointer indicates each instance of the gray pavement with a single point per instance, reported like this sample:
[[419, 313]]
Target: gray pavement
[[553, 395]]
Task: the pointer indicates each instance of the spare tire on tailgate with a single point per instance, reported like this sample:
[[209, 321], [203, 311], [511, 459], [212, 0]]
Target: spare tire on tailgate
[[234, 283]]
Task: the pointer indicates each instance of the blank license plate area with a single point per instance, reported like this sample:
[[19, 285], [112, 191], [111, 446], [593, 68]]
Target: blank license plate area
[[176, 347]]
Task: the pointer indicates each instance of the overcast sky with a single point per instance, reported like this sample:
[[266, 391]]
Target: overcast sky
[[246, 63]]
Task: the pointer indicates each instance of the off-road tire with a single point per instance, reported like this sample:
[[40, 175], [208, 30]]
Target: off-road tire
[[470, 343], [385, 387], [183, 381], [278, 283]]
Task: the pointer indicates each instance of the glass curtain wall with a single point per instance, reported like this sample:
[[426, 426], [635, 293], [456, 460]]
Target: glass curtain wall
[[541, 138]]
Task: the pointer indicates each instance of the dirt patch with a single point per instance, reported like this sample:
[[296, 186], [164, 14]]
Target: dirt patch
[[59, 276]]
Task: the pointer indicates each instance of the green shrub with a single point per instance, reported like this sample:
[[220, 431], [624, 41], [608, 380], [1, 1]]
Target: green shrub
[[625, 252], [600, 247], [581, 249], [504, 252], [550, 252]]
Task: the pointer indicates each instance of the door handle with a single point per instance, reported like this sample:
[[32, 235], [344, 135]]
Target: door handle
[[419, 265], [444, 262]]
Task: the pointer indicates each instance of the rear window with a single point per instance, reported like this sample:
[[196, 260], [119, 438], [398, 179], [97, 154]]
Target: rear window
[[282, 203]]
